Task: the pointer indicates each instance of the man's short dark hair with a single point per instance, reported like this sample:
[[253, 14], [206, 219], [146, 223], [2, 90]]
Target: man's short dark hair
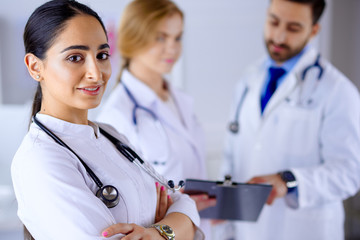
[[317, 6]]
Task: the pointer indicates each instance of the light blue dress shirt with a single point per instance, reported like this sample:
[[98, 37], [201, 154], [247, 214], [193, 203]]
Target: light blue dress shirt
[[288, 66]]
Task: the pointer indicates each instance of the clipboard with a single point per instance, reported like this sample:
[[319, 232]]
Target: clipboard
[[235, 201]]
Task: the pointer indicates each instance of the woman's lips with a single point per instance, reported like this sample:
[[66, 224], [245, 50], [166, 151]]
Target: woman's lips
[[92, 90]]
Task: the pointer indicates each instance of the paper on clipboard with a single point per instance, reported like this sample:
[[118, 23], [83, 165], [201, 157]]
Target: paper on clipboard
[[235, 201]]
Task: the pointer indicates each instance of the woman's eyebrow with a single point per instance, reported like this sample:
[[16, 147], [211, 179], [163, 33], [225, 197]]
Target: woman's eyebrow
[[83, 47], [102, 46], [80, 47]]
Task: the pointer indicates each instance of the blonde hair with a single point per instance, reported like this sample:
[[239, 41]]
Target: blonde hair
[[138, 26]]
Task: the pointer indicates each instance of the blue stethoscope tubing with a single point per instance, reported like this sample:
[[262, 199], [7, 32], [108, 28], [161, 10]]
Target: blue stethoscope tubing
[[109, 194], [158, 123], [234, 126], [137, 106]]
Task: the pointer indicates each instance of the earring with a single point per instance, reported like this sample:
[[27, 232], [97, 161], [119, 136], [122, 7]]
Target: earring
[[37, 76]]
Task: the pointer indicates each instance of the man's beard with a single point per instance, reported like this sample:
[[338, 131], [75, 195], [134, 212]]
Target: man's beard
[[286, 54]]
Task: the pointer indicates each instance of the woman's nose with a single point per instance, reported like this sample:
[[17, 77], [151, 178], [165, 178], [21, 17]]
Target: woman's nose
[[93, 71], [173, 47]]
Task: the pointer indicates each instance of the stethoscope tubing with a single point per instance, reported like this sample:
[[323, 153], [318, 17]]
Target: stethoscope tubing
[[158, 123], [137, 106], [316, 64], [234, 126], [133, 157], [124, 149], [60, 142]]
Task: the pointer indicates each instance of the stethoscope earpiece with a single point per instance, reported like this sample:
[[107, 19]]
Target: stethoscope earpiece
[[178, 187], [109, 195]]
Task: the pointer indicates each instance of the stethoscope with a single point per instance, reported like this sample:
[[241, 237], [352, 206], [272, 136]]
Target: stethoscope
[[157, 122], [109, 194], [307, 101], [234, 126]]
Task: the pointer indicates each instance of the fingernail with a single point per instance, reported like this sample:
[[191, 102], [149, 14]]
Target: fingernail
[[162, 188], [169, 197], [157, 184], [105, 234]]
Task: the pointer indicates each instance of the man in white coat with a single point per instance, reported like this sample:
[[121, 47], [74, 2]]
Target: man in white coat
[[296, 126]]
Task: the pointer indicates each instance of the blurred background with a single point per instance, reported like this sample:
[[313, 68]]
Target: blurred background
[[220, 39]]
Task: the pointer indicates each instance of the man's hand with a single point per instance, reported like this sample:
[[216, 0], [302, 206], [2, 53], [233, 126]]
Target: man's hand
[[279, 188], [203, 201]]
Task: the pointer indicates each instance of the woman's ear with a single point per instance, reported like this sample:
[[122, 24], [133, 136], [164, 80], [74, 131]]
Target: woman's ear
[[33, 65]]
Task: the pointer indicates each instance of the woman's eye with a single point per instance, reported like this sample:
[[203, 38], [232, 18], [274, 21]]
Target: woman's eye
[[103, 56], [274, 23], [160, 39], [74, 58]]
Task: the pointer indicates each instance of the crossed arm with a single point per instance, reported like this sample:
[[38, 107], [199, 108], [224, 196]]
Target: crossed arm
[[180, 223]]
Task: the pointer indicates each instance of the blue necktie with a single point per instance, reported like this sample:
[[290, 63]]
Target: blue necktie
[[275, 74]]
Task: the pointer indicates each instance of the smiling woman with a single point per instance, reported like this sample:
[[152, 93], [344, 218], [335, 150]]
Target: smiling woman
[[75, 71], [60, 167]]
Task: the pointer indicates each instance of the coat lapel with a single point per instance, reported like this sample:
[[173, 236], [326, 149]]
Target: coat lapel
[[291, 82], [284, 90], [182, 126]]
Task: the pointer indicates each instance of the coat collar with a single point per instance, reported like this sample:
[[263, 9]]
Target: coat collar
[[143, 94], [65, 129]]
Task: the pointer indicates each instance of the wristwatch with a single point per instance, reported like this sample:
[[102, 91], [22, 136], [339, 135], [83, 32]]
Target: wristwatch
[[165, 231], [289, 179]]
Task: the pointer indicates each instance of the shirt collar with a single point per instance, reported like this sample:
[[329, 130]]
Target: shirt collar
[[64, 128]]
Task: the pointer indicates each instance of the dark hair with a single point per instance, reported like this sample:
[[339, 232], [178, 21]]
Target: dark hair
[[43, 27], [317, 6]]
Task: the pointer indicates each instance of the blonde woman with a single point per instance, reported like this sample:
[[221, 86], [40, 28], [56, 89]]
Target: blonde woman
[[157, 118]]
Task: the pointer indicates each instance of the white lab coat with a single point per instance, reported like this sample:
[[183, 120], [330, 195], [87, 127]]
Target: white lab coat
[[56, 197], [319, 144], [186, 140]]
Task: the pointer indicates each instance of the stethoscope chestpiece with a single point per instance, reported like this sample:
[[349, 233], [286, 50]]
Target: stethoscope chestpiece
[[109, 195], [234, 127]]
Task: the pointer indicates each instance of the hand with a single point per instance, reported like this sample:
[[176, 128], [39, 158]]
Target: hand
[[203, 201], [279, 188], [164, 201], [217, 221], [132, 231]]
